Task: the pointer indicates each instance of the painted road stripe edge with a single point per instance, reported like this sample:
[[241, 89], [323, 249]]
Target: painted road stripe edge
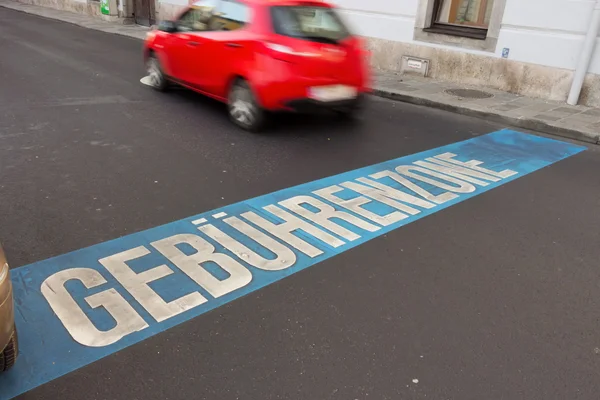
[[77, 308]]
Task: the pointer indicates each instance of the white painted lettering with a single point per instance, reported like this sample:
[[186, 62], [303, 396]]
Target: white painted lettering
[[291, 224], [388, 195], [79, 326], [456, 171], [284, 256], [191, 265], [137, 285], [410, 171], [355, 203], [475, 164], [325, 214], [438, 199]]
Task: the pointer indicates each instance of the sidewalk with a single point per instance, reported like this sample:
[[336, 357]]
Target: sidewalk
[[552, 117], [576, 122], [85, 21]]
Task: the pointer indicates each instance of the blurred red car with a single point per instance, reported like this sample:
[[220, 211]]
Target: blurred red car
[[261, 55]]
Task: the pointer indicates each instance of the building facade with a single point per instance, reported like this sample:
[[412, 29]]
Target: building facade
[[529, 47]]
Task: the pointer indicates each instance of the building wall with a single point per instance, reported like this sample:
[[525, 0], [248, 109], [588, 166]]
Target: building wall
[[169, 9], [118, 8], [382, 19], [544, 38], [78, 6], [546, 32]]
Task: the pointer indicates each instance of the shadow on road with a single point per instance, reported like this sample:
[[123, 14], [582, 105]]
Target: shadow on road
[[319, 122]]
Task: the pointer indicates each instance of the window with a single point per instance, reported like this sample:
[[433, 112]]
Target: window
[[214, 15], [467, 24], [469, 18], [197, 17], [313, 23], [229, 16]]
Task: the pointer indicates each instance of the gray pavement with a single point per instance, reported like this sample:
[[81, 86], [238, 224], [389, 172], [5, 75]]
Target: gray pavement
[[553, 117], [493, 298]]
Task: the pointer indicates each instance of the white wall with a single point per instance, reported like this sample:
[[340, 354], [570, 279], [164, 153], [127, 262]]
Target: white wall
[[546, 32], [383, 19], [175, 2]]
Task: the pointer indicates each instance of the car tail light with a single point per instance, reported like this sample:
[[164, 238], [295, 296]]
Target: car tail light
[[282, 49], [279, 48]]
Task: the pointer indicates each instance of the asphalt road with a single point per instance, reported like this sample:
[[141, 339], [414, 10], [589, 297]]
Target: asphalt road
[[493, 298]]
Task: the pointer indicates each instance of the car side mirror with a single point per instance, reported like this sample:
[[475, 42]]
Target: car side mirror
[[167, 26]]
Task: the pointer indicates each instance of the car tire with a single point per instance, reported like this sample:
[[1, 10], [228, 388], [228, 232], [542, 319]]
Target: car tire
[[243, 107], [158, 80], [8, 356]]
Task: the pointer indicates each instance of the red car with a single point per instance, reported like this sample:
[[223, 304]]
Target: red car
[[261, 55]]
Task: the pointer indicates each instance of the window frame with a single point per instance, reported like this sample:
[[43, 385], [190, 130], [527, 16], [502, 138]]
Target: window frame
[[454, 29], [467, 37], [215, 13], [272, 9]]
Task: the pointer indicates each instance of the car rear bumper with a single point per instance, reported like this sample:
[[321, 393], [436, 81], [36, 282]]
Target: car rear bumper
[[306, 104], [7, 316], [279, 87], [292, 95]]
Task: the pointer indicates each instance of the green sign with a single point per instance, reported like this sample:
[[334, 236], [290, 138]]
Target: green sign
[[104, 9]]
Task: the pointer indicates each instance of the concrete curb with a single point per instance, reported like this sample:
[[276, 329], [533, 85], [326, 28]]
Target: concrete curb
[[526, 123]]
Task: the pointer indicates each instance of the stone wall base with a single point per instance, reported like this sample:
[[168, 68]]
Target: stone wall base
[[87, 8], [90, 7], [498, 73]]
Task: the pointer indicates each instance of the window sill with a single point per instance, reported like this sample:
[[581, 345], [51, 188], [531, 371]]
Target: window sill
[[460, 31], [458, 39]]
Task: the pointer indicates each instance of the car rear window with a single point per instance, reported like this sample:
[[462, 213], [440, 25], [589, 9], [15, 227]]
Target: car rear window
[[314, 23]]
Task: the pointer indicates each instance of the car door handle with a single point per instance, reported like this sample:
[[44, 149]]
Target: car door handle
[[234, 45], [193, 44]]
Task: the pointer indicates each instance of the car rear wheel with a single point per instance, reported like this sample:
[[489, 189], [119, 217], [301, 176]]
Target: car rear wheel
[[155, 75], [244, 109], [9, 355]]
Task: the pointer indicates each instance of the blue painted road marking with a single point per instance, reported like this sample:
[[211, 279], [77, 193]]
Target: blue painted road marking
[[74, 309]]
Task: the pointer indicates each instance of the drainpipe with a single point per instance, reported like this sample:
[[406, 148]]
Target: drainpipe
[[586, 56]]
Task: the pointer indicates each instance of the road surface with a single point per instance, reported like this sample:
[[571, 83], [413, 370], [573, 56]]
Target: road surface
[[493, 297]]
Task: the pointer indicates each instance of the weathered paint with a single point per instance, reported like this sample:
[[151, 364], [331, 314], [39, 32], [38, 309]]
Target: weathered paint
[[79, 307]]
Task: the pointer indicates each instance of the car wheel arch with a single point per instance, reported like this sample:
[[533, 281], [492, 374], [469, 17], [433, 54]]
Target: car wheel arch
[[240, 77]]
